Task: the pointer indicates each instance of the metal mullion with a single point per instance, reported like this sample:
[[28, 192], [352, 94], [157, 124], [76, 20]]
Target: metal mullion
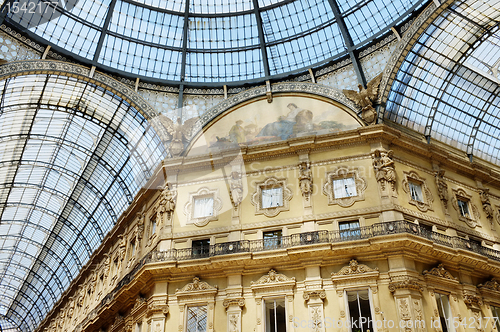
[[104, 30], [260, 30], [13, 312], [348, 42], [479, 121]]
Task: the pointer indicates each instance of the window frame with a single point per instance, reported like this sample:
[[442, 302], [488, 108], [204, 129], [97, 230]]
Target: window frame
[[204, 251], [272, 242], [370, 302], [189, 208], [269, 183], [472, 220], [412, 178], [264, 313], [357, 230], [196, 305], [450, 327], [340, 173]]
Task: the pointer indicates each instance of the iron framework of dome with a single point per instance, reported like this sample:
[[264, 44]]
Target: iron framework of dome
[[207, 42]]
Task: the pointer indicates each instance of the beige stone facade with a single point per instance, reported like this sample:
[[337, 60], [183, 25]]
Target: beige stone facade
[[411, 239]]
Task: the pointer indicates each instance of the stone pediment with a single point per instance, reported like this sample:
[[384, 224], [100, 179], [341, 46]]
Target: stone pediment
[[196, 290], [273, 282], [490, 290], [440, 276], [354, 274]]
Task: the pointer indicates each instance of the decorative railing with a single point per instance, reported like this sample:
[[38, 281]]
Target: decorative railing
[[283, 242], [295, 240]]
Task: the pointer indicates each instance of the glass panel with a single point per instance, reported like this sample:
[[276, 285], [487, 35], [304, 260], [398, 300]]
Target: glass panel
[[349, 230], [272, 239], [416, 191], [272, 197], [445, 315], [344, 187], [203, 207], [463, 207], [359, 311], [275, 315], [197, 319]]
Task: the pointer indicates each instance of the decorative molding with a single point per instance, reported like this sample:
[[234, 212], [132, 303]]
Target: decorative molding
[[354, 268], [166, 204], [237, 301], [341, 172], [196, 292], [492, 285], [472, 300], [472, 220], [441, 272], [236, 189], [427, 198], [272, 277], [196, 286], [268, 183], [273, 283], [406, 284], [305, 180], [314, 294], [189, 207], [385, 172]]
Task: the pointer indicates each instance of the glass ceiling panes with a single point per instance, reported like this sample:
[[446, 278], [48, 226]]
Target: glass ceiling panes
[[445, 88], [221, 42], [72, 156]]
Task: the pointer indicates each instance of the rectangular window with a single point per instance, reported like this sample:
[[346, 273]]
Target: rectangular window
[[496, 316], [203, 207], [344, 188], [445, 315], [416, 191], [201, 247], [463, 207], [272, 197], [349, 230], [196, 319], [275, 315], [153, 223], [132, 249], [272, 239], [360, 314]]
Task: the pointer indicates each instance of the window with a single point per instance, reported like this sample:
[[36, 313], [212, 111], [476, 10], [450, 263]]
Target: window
[[445, 315], [345, 187], [463, 207], [197, 319], [360, 315], [272, 197], [203, 207], [275, 315], [496, 316], [272, 239], [132, 249], [201, 247], [138, 327], [416, 191], [349, 230], [153, 223]]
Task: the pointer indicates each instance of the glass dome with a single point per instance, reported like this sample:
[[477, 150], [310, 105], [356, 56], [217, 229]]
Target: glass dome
[[211, 42]]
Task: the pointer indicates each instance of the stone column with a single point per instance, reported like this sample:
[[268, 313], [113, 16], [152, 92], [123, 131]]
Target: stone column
[[314, 300]]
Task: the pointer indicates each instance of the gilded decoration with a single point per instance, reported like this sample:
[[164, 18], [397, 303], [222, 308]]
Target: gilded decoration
[[441, 272], [354, 268], [271, 183], [365, 98], [472, 217], [314, 294], [203, 192], [385, 171], [339, 173], [425, 202]]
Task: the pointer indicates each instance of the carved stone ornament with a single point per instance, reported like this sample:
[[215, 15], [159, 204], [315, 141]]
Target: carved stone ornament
[[485, 201], [491, 285], [354, 268], [158, 307], [140, 226], [312, 294], [305, 180], [442, 187], [339, 173], [167, 202], [406, 284], [365, 98], [498, 214], [239, 301], [425, 202], [473, 300], [271, 183], [385, 171], [473, 217], [203, 192], [236, 188], [439, 271], [272, 277], [196, 286]]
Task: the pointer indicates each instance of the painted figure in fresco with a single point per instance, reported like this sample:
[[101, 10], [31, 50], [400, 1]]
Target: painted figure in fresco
[[237, 133]]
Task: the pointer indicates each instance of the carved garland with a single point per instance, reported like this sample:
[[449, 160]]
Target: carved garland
[[427, 198], [343, 172]]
